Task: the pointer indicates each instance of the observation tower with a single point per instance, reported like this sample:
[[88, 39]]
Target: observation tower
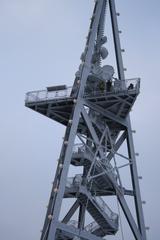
[[95, 112]]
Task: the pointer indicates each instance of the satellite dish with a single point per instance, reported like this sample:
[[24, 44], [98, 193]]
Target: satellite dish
[[104, 52], [103, 40], [108, 72]]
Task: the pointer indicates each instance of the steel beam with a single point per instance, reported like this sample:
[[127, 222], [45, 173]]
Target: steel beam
[[135, 182], [71, 212], [81, 219], [104, 112], [117, 145], [71, 231], [129, 217]]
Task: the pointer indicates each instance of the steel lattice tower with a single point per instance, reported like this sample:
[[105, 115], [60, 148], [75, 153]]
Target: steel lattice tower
[[95, 111]]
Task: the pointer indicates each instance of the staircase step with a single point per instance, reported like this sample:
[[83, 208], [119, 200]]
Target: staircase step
[[100, 215]]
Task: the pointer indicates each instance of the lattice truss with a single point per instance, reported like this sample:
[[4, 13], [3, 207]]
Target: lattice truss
[[95, 112]]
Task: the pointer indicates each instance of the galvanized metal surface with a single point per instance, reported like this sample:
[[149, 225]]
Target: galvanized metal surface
[[95, 112]]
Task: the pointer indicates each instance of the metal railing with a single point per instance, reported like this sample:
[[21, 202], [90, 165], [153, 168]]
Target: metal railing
[[104, 207], [81, 148], [92, 227], [44, 95], [78, 148], [89, 228], [116, 87], [74, 181]]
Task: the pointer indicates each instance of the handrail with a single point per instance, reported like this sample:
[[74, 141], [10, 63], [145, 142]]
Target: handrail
[[76, 181], [92, 226], [79, 147], [44, 95], [103, 206], [117, 86]]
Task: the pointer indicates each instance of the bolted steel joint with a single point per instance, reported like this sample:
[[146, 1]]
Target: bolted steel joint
[[65, 142], [50, 217], [70, 121], [60, 165], [55, 190]]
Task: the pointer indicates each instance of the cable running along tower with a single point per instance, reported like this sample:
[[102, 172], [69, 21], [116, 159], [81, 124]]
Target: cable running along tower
[[95, 112]]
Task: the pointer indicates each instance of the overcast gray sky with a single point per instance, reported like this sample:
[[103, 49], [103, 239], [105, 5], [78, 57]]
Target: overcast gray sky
[[40, 45]]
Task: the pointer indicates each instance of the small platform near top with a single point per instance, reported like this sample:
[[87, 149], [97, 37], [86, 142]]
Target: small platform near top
[[57, 102]]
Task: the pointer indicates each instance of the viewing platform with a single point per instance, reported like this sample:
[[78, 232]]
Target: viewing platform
[[56, 102]]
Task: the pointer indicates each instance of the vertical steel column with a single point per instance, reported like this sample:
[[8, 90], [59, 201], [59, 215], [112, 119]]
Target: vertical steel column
[[116, 39], [133, 166], [72, 130], [135, 182]]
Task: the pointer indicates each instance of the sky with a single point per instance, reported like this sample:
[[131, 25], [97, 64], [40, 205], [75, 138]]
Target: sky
[[40, 45]]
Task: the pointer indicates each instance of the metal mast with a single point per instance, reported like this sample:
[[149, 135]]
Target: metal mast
[[95, 111]]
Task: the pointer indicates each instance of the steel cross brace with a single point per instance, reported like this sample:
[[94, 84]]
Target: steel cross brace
[[120, 194], [104, 112], [117, 145], [71, 212]]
